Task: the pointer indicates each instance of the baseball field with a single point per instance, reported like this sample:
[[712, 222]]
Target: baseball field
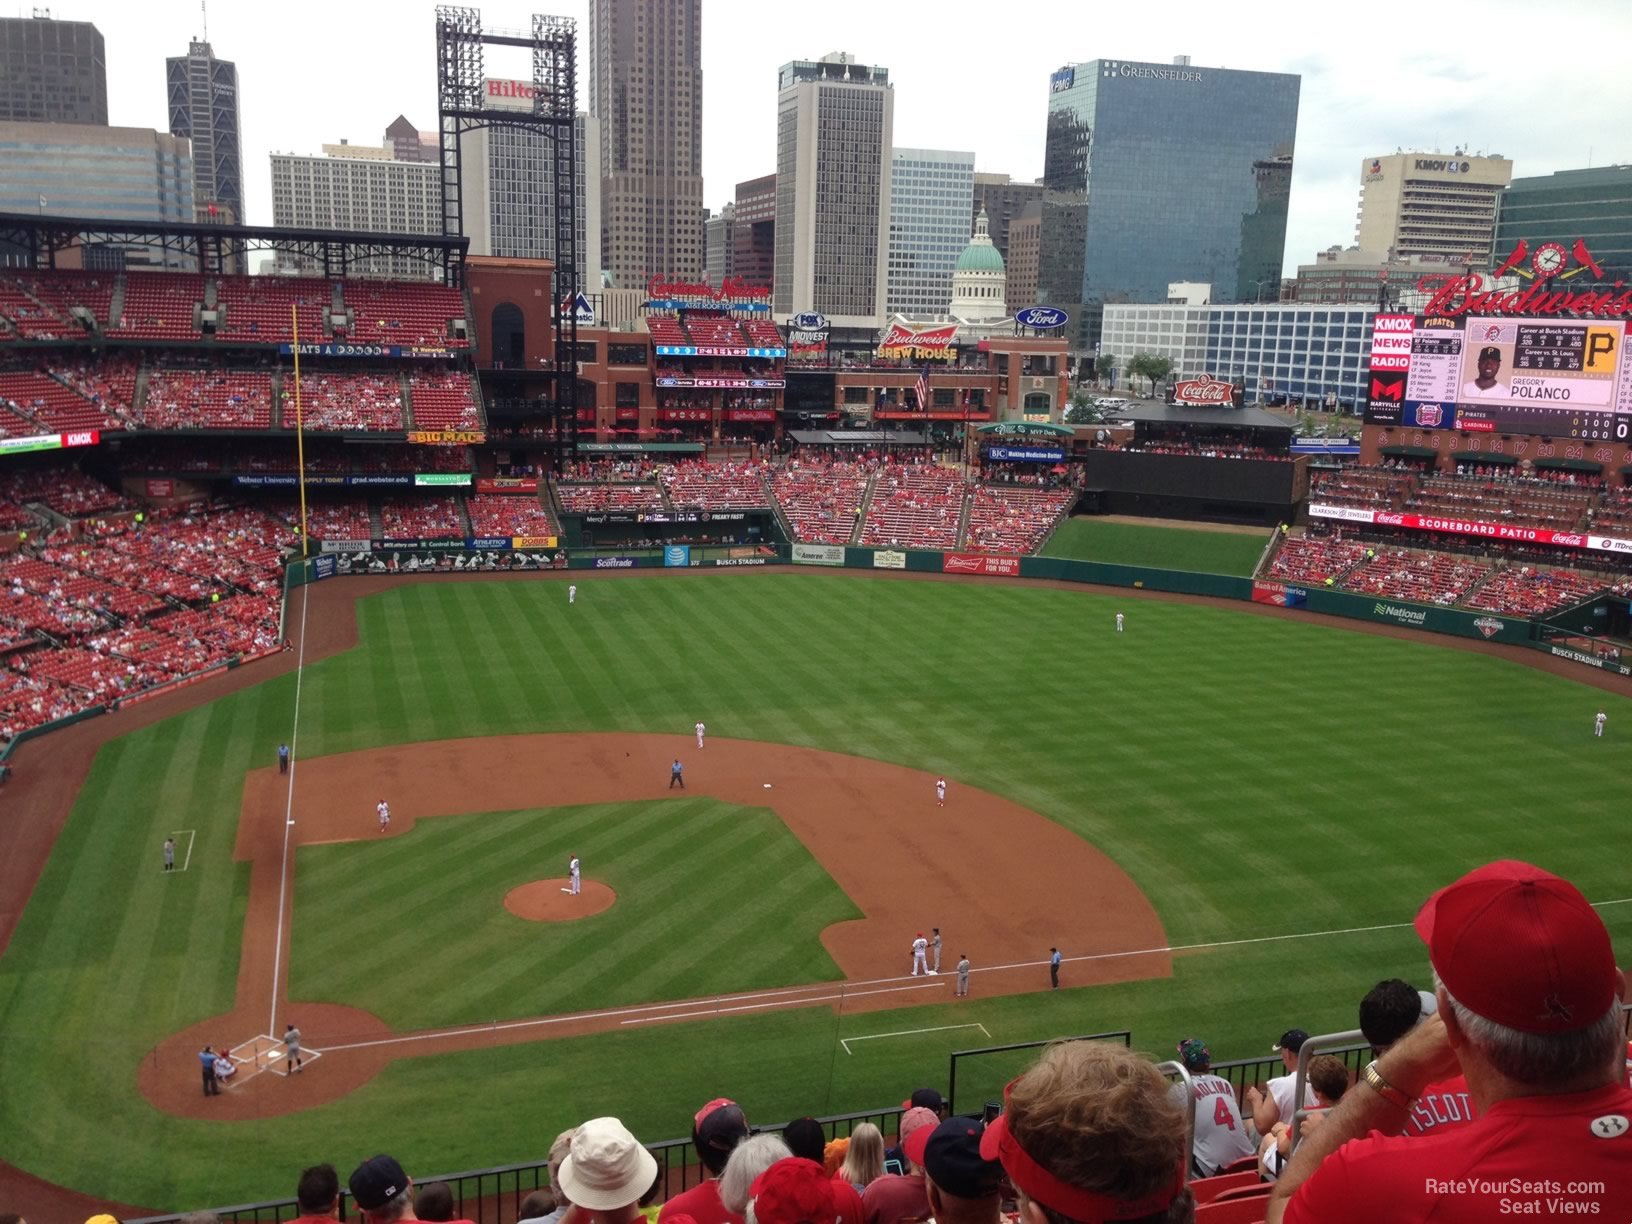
[[1225, 819]]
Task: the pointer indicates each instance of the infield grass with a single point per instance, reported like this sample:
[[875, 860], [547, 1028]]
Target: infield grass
[[1086, 538], [1259, 777]]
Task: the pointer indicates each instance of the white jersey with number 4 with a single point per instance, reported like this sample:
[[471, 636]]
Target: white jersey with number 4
[[1221, 1136]]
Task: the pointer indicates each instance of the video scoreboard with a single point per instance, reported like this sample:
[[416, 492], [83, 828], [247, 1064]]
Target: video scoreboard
[[1558, 377]]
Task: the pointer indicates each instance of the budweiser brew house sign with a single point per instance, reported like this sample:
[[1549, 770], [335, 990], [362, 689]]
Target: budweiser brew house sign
[[1206, 390]]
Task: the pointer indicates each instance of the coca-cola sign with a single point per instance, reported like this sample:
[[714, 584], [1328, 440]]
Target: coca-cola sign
[[732, 288], [1204, 390]]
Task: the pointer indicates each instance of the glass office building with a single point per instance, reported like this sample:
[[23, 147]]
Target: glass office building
[[930, 195], [1155, 173], [1306, 355], [1593, 205]]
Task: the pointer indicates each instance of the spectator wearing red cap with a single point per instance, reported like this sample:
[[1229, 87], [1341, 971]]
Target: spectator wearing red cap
[[897, 1198], [1529, 1011], [1091, 1133], [716, 1130]]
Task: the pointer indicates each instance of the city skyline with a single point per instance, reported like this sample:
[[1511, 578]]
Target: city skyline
[[1378, 92]]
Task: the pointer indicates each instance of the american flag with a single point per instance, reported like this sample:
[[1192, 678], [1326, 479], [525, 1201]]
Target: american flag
[[922, 388]]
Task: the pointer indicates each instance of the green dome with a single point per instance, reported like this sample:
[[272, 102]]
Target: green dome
[[980, 257]]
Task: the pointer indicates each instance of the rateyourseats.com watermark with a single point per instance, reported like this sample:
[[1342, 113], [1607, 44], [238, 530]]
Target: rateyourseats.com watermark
[[1516, 1197]]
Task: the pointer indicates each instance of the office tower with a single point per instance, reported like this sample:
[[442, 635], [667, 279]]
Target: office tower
[[52, 72], [930, 190]]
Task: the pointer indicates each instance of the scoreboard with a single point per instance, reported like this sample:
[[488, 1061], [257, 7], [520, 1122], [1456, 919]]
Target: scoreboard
[[1564, 378]]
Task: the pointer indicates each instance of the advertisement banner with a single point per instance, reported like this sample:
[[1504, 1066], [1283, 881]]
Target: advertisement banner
[[444, 558], [160, 488], [1205, 391], [442, 478], [614, 563], [533, 541], [889, 559], [758, 384], [507, 484], [738, 562], [1473, 527], [346, 546], [446, 437], [1278, 595], [56, 441], [818, 554], [980, 563], [719, 350], [930, 344], [1024, 454], [362, 350], [750, 414], [677, 556], [322, 567]]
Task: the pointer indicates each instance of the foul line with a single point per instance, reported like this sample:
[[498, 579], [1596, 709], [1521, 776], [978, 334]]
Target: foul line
[[715, 1011], [289, 810], [940, 1028]]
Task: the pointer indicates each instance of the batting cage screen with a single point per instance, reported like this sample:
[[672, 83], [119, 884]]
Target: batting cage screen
[[976, 1078]]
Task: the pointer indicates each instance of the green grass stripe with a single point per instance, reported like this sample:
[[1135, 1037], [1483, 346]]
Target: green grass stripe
[[1086, 538]]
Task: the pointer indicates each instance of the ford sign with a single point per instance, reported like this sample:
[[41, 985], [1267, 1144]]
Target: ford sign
[[1042, 317], [809, 320]]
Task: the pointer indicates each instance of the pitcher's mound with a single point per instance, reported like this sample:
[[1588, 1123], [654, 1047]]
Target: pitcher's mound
[[548, 900]]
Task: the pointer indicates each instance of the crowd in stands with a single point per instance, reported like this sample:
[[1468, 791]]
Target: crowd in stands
[[1014, 519], [493, 514], [87, 621], [23, 313], [208, 399], [599, 498], [421, 518], [66, 490], [1504, 1085], [345, 402], [262, 308], [716, 486], [1424, 577], [412, 315], [1202, 449], [1523, 591], [915, 505], [820, 496], [443, 401], [1314, 560], [328, 518], [52, 404], [159, 306], [1359, 486], [1529, 501]]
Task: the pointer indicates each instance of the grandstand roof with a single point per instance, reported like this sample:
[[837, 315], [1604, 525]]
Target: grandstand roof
[[1215, 418], [44, 237]]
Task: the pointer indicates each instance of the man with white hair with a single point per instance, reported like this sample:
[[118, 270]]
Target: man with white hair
[[1529, 1011]]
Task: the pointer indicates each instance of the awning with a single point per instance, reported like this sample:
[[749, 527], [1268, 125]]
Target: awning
[[1572, 465], [1480, 457], [1409, 452]]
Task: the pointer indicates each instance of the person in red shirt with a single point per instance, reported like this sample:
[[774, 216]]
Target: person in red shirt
[[898, 1198], [716, 1130], [1529, 1013]]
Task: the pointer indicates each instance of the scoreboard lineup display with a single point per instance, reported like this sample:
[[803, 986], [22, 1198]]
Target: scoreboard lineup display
[[1564, 378]]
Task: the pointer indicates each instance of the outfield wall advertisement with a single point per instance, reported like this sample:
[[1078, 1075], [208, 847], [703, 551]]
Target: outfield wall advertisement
[[980, 563], [818, 554]]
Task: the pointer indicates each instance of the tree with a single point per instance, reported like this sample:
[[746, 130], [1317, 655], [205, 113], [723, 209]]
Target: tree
[[1149, 365], [1082, 410], [1104, 364]]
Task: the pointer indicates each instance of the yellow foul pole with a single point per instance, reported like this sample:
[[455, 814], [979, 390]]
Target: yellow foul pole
[[300, 435]]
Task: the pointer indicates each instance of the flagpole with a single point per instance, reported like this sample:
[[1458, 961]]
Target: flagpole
[[300, 436]]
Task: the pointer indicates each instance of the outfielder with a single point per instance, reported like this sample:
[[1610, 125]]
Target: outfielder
[[169, 854], [919, 946], [1598, 723], [1119, 622], [572, 593], [384, 809], [700, 730], [940, 792]]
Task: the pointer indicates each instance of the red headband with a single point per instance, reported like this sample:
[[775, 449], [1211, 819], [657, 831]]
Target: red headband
[[998, 1143]]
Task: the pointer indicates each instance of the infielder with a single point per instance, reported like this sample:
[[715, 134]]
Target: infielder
[[384, 809], [574, 870], [940, 792], [963, 974], [936, 944], [1598, 723], [700, 730], [1119, 622], [572, 593], [169, 854], [291, 1047], [919, 946]]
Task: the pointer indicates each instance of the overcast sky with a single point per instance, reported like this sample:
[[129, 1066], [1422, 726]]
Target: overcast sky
[[1538, 83]]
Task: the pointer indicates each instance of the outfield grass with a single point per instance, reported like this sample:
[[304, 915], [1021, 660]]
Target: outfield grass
[[1086, 538], [1257, 776]]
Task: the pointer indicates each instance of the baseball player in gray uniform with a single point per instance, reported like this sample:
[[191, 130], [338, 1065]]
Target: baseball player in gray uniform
[[936, 945], [963, 974]]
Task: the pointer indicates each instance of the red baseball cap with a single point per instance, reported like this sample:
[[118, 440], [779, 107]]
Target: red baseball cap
[[1522, 947], [793, 1191]]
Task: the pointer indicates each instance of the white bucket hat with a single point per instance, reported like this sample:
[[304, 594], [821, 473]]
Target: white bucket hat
[[607, 1168]]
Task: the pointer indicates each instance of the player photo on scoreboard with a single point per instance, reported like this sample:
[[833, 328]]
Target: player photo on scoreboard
[[1566, 364]]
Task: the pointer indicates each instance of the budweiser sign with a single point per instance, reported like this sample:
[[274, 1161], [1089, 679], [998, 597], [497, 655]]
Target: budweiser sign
[[1206, 390], [732, 288], [933, 342]]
